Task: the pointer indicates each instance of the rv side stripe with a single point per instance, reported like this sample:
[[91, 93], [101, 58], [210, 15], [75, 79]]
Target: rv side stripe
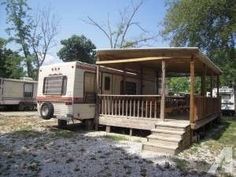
[[59, 99]]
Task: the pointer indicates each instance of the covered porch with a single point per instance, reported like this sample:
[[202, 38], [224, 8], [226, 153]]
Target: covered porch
[[151, 103]]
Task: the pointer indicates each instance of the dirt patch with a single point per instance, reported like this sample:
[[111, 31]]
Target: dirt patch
[[33, 147]]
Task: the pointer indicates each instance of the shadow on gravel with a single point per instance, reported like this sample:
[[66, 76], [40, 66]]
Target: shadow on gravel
[[73, 152]]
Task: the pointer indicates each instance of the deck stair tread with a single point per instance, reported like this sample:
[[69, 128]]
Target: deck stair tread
[[161, 145], [164, 138], [175, 132]]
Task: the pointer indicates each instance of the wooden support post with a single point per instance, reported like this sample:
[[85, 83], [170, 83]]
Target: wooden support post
[[157, 83], [211, 85], [141, 82], [192, 83], [218, 85], [218, 94], [163, 77], [98, 89], [203, 82], [130, 132], [124, 82]]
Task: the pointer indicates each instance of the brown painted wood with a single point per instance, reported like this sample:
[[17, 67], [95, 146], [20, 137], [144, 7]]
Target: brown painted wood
[[163, 77], [192, 83], [218, 85], [97, 97], [203, 81], [211, 85]]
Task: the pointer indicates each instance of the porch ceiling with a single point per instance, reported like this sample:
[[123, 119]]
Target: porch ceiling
[[177, 60]]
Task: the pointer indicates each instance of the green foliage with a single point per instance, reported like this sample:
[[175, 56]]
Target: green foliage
[[77, 48], [20, 28], [179, 84], [207, 24], [10, 62]]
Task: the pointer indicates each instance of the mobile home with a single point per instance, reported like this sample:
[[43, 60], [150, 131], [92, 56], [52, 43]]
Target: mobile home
[[19, 93]]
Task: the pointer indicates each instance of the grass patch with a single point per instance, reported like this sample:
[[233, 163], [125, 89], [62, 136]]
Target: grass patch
[[228, 137], [116, 137], [60, 133], [27, 133], [181, 164]]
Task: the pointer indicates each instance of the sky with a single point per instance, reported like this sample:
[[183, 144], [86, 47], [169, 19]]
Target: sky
[[72, 13]]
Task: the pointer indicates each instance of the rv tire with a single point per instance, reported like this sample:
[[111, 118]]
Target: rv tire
[[47, 110]]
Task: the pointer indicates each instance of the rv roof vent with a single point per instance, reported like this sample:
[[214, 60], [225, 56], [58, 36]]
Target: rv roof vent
[[26, 78]]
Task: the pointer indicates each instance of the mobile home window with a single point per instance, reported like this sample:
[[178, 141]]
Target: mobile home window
[[28, 90], [89, 87], [55, 85], [107, 83]]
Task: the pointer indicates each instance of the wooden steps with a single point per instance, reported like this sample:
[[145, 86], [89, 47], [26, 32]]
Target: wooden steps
[[168, 137]]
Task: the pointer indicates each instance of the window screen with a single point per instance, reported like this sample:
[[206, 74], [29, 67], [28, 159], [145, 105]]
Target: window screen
[[28, 90], [55, 85]]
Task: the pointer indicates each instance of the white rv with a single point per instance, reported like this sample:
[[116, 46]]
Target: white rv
[[67, 91], [19, 93], [228, 99]]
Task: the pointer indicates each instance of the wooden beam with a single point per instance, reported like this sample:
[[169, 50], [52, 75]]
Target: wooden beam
[[142, 59], [163, 77], [98, 90], [192, 83]]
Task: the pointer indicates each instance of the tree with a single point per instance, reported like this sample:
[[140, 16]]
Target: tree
[[20, 24], [43, 32], [35, 34], [77, 48], [10, 62], [207, 24], [118, 35]]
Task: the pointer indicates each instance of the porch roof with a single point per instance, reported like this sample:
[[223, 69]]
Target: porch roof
[[177, 59]]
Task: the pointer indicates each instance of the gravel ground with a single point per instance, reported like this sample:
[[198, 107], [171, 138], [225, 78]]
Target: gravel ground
[[31, 146]]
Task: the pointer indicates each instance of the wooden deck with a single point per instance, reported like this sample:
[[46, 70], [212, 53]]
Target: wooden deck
[[143, 111]]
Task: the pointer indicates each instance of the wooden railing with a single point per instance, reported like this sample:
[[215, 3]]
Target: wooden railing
[[205, 107], [146, 106]]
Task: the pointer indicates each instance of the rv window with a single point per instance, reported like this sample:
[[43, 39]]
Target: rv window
[[107, 83], [55, 85], [28, 90], [89, 87]]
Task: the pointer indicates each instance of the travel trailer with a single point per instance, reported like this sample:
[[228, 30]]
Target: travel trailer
[[67, 91], [18, 93], [228, 99]]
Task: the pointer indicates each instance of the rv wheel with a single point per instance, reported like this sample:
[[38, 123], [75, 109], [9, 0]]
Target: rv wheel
[[46, 110]]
